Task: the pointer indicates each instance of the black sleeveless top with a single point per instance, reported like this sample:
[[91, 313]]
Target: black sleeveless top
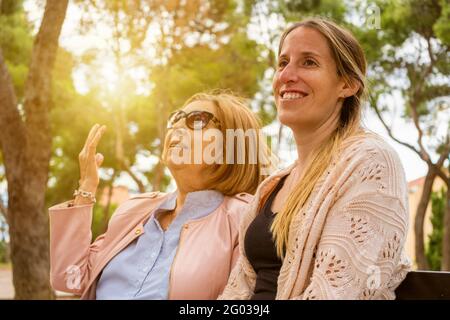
[[261, 251]]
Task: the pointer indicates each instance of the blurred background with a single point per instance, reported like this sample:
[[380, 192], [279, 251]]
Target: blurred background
[[66, 65]]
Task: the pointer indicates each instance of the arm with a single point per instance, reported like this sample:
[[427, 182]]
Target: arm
[[237, 287], [360, 252], [71, 253]]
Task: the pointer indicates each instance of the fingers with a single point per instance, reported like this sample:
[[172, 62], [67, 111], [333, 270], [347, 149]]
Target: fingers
[[89, 161], [92, 146], [99, 159], [91, 134]]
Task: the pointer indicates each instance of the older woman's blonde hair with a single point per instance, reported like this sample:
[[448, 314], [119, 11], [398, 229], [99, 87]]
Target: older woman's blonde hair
[[233, 113]]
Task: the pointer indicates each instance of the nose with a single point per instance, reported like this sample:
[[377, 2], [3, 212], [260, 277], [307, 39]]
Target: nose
[[180, 135], [177, 134], [289, 74]]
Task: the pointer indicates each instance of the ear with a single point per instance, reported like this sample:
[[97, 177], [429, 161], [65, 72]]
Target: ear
[[349, 88]]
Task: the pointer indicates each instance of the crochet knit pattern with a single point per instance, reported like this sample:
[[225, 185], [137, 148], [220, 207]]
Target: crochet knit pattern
[[347, 242]]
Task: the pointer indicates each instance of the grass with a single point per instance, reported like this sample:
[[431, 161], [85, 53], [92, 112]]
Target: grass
[[5, 266]]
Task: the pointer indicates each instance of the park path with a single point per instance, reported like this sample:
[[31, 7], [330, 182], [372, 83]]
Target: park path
[[6, 286]]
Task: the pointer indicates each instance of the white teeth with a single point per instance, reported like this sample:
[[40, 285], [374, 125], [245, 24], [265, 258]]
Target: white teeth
[[292, 95]]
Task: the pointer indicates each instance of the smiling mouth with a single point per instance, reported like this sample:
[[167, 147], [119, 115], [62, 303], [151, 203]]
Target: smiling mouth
[[292, 95]]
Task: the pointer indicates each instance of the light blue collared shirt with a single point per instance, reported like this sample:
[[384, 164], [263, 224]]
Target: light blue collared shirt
[[141, 270]]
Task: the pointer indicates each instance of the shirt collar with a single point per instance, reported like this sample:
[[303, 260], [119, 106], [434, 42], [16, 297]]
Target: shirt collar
[[197, 204], [201, 203], [169, 203]]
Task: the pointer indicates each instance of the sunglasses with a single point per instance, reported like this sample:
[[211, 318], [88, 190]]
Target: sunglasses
[[195, 120]]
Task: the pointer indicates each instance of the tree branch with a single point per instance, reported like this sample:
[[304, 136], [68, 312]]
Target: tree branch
[[431, 56], [389, 130], [12, 133], [135, 178], [38, 84], [415, 116], [38, 94], [440, 163]]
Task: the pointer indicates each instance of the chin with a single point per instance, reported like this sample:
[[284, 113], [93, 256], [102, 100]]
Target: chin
[[288, 117], [173, 164]]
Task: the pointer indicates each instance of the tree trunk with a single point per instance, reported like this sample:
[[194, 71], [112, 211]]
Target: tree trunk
[[124, 163], [135, 178], [421, 259], [163, 108], [26, 148], [107, 207], [158, 175], [445, 264]]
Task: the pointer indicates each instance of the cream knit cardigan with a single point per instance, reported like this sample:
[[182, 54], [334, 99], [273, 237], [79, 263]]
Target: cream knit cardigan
[[347, 242]]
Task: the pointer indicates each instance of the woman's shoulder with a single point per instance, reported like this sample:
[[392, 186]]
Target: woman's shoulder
[[369, 147], [370, 161], [141, 202], [148, 195], [236, 206], [236, 202]]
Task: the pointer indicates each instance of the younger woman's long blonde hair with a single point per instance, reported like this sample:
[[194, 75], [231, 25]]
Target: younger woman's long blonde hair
[[351, 65]]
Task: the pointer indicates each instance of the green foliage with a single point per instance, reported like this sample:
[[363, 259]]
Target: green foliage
[[16, 42], [8, 7], [233, 66], [434, 248], [4, 246], [442, 25], [4, 257], [296, 10]]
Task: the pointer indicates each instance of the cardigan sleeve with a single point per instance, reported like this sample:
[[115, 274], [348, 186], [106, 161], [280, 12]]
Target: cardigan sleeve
[[360, 253], [237, 287]]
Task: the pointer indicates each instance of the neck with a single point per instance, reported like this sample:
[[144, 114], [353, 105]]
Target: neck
[[308, 139], [180, 199], [183, 188]]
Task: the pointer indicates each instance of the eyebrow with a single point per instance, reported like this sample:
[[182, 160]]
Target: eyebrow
[[303, 53]]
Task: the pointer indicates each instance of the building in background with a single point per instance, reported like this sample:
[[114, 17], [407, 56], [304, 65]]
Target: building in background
[[119, 195], [415, 188]]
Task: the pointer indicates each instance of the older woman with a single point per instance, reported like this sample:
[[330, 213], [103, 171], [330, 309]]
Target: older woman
[[332, 225], [180, 245]]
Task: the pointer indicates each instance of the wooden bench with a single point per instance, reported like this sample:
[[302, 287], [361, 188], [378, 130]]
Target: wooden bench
[[420, 285]]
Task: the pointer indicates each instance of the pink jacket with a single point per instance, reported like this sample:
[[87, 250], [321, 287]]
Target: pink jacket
[[206, 254]]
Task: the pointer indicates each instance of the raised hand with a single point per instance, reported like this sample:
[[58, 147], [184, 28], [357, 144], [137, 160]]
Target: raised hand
[[90, 161]]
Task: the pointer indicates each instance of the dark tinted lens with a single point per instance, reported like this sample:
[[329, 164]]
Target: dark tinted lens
[[199, 118]]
